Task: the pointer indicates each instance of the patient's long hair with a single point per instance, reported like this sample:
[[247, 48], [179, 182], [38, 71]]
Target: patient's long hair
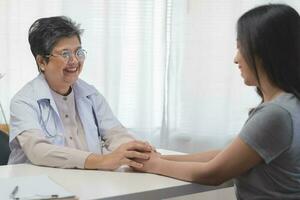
[[271, 33]]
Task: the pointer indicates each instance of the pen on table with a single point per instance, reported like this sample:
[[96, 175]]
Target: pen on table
[[14, 192]]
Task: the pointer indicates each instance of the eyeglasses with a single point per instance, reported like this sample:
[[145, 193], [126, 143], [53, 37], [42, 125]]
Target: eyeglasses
[[66, 55]]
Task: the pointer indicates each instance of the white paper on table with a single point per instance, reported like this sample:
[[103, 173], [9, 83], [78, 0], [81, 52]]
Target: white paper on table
[[32, 187]]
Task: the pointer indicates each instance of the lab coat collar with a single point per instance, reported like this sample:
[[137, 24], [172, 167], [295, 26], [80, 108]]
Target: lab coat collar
[[80, 87], [40, 84], [83, 89]]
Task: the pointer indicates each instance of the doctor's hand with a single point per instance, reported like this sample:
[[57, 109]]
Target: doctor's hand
[[125, 154]]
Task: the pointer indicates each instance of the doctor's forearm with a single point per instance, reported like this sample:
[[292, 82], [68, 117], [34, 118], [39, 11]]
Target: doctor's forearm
[[41, 152], [95, 161], [102, 162]]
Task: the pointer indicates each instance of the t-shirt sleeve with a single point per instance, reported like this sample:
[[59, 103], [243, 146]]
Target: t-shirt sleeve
[[268, 131]]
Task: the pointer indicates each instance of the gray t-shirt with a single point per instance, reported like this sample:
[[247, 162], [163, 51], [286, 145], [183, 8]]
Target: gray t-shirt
[[273, 131]]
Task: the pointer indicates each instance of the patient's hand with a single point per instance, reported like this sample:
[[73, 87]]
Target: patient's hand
[[149, 165]]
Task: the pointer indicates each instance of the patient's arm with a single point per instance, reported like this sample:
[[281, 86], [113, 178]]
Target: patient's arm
[[196, 157]]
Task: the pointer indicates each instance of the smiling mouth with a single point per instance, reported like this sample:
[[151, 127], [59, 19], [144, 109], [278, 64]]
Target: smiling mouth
[[71, 69]]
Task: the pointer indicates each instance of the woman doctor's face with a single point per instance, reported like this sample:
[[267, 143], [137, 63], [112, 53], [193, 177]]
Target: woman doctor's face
[[65, 64]]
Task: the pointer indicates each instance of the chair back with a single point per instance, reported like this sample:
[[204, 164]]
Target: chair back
[[4, 148]]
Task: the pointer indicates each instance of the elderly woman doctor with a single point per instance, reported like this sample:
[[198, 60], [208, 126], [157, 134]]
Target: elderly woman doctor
[[59, 120]]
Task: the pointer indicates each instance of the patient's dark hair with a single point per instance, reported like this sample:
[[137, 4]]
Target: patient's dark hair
[[44, 33], [270, 34]]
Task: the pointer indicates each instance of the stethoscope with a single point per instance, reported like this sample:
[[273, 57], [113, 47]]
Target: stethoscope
[[45, 112], [45, 117], [101, 140]]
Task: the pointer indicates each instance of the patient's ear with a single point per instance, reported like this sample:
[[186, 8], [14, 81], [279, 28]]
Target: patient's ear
[[41, 62]]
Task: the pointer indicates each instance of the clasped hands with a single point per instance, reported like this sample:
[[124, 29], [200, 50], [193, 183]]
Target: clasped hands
[[133, 154], [139, 155]]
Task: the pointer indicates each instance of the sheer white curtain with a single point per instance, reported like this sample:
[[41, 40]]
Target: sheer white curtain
[[207, 102], [165, 66], [125, 41]]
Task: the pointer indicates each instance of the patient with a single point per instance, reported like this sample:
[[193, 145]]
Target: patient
[[263, 159], [59, 120]]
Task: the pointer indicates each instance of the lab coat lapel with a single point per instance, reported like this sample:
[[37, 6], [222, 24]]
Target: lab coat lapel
[[85, 112]]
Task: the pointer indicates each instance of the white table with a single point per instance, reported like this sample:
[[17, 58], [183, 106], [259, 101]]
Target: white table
[[121, 184]]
